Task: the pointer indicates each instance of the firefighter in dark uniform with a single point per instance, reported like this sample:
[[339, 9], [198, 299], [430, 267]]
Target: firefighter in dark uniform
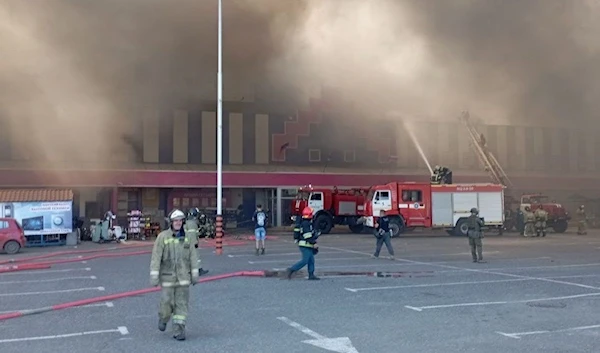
[[306, 237], [475, 235]]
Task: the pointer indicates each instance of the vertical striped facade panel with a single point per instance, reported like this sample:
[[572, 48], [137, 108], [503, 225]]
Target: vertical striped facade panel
[[573, 149], [563, 136], [236, 138], [556, 139], [262, 137], [165, 137], [249, 134], [485, 131], [209, 137], [465, 154], [180, 136], [521, 148], [529, 143], [195, 137], [403, 145], [548, 146], [151, 135], [501, 148], [492, 141], [453, 136]]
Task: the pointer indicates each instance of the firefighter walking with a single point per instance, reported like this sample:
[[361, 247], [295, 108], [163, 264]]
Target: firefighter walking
[[541, 217], [174, 266], [192, 225], [581, 221], [475, 235], [306, 237]]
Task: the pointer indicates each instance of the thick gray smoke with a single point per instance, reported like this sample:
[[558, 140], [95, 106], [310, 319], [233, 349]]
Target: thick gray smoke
[[78, 73]]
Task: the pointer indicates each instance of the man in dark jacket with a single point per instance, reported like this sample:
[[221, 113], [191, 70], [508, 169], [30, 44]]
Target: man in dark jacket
[[383, 234], [306, 238], [475, 235]]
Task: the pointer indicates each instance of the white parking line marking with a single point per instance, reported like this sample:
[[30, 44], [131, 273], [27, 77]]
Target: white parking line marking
[[35, 272], [488, 271], [421, 308], [436, 284], [50, 280], [106, 304], [121, 329], [52, 292], [518, 335]]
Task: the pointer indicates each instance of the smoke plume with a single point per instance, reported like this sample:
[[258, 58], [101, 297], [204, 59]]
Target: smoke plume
[[76, 75]]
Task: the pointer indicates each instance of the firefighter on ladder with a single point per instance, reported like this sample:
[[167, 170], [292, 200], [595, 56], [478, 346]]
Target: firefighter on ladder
[[174, 266]]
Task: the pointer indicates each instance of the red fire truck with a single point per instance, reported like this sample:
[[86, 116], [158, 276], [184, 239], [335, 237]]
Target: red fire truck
[[444, 206], [332, 206]]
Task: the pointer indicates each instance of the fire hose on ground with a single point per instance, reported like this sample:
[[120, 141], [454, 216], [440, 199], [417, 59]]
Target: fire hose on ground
[[128, 294], [30, 263]]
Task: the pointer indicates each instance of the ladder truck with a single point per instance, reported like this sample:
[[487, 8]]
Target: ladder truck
[[558, 217]]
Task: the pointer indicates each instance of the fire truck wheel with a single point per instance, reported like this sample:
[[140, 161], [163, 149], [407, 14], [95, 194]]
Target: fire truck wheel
[[324, 223], [461, 229], [560, 226], [357, 228], [397, 227]]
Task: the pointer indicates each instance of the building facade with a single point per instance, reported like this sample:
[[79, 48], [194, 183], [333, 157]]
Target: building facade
[[269, 151]]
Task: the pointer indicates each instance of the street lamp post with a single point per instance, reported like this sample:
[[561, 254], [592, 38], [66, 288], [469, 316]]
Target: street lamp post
[[219, 221]]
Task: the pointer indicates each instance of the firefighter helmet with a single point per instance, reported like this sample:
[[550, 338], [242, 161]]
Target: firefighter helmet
[[307, 212], [176, 215], [193, 213], [474, 210]]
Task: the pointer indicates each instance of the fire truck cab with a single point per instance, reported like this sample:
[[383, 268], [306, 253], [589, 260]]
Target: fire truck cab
[[558, 217], [332, 206], [447, 206]]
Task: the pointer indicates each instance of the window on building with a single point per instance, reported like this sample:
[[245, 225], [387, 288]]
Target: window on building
[[314, 155], [175, 202], [350, 156]]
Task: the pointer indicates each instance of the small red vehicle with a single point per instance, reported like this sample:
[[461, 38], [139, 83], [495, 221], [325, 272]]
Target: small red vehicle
[[12, 237]]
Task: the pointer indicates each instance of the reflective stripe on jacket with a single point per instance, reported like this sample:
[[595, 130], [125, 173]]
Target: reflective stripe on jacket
[[174, 260]]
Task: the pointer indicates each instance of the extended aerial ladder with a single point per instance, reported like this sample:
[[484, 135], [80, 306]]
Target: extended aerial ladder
[[485, 156]]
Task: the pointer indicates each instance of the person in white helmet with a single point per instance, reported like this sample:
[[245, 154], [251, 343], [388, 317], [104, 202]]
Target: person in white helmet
[[174, 266]]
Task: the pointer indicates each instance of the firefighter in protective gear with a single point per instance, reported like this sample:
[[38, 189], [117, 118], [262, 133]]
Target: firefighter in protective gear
[[307, 242], [475, 235], [192, 230], [529, 222], [541, 217], [207, 227], [174, 266], [192, 226], [581, 220]]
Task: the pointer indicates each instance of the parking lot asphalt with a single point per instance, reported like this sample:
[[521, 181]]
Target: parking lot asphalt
[[533, 295]]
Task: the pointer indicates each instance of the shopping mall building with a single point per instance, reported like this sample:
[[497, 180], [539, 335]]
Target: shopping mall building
[[269, 153]]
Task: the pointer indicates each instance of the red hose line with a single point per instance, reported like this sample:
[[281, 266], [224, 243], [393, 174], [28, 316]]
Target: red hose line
[[23, 267], [71, 252], [123, 295], [87, 258]]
